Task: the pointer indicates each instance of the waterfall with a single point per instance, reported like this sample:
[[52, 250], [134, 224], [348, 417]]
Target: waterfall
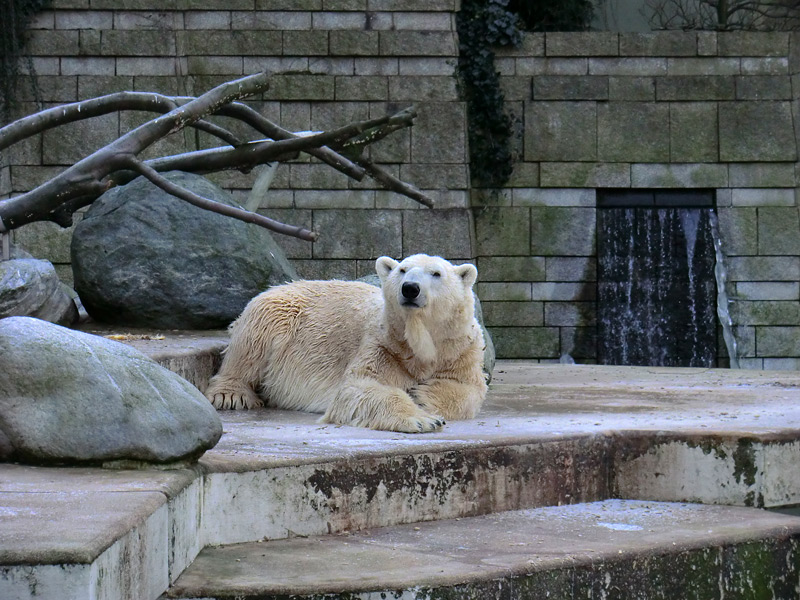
[[656, 296], [721, 276], [690, 222]]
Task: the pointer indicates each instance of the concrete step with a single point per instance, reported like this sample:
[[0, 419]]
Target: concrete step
[[616, 549], [194, 355], [548, 435]]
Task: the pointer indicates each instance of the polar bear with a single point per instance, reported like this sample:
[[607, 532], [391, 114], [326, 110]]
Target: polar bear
[[404, 357]]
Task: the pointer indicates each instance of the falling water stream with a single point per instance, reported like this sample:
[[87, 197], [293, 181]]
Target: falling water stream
[[721, 276], [657, 291]]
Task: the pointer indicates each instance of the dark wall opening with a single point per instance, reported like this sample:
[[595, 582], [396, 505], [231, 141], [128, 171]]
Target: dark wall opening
[[656, 301]]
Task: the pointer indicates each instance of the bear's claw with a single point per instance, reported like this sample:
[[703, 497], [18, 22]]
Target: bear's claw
[[422, 424], [235, 400]]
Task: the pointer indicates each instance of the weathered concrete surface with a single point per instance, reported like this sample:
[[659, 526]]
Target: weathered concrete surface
[[91, 533], [713, 436], [193, 355], [541, 402], [86, 509], [549, 435], [360, 493], [615, 549]]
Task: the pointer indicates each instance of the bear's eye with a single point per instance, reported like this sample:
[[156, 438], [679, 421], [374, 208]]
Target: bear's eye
[[436, 274], [403, 271]]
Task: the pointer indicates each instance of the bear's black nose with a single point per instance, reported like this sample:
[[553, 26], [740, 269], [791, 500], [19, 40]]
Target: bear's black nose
[[410, 290]]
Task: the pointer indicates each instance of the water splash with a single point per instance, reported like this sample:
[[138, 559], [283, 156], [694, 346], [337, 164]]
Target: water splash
[[264, 175], [721, 275], [690, 222]]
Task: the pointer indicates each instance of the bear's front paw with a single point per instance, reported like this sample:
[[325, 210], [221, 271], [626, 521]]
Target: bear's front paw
[[422, 398], [421, 424], [235, 400]]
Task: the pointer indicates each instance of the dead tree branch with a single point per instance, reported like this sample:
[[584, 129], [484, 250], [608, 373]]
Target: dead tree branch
[[69, 113], [724, 15], [217, 207], [86, 177], [118, 162]]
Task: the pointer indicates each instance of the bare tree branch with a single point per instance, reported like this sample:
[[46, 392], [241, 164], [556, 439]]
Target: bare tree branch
[[86, 177], [258, 152], [276, 132], [118, 162], [725, 15], [95, 107], [152, 102], [391, 182], [268, 128]]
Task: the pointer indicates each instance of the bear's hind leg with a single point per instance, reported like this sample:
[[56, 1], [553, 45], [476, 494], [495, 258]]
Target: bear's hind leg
[[243, 362], [366, 403]]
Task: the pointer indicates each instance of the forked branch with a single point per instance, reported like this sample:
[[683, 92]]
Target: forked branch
[[119, 162]]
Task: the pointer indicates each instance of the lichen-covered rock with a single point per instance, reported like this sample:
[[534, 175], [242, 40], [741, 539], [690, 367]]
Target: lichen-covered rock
[[30, 287], [71, 397], [143, 258]]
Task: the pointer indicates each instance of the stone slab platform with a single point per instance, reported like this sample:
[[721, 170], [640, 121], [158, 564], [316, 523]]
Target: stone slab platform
[[612, 549], [194, 355], [549, 435], [529, 402]]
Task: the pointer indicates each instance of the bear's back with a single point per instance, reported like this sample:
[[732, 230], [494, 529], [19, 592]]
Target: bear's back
[[313, 329]]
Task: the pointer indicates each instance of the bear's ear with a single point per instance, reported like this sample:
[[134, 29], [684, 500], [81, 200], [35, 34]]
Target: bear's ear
[[468, 274], [384, 266]]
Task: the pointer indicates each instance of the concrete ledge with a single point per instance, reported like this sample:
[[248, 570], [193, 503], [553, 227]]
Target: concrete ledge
[[194, 355], [365, 492], [86, 532], [548, 435], [617, 549]]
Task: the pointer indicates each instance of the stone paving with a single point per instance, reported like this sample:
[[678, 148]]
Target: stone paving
[[614, 548], [549, 436]]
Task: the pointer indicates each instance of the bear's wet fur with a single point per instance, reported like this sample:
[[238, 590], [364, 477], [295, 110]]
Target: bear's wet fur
[[405, 357]]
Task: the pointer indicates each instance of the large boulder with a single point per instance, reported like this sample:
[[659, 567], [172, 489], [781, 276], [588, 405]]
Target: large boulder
[[71, 397], [30, 287], [143, 258]]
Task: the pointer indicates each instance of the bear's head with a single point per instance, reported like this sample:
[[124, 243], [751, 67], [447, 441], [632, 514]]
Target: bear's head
[[428, 295]]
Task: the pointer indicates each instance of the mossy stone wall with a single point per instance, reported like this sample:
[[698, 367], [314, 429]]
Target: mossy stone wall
[[591, 110]]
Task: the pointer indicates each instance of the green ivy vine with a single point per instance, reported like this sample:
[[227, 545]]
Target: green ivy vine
[[15, 16], [482, 24]]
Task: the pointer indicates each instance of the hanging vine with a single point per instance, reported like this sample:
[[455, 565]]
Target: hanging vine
[[482, 24], [15, 16]]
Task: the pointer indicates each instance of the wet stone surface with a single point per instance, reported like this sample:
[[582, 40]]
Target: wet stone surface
[[615, 549], [548, 436]]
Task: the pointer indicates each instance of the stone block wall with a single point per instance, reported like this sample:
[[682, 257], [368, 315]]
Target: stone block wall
[[333, 61], [591, 110], [658, 110]]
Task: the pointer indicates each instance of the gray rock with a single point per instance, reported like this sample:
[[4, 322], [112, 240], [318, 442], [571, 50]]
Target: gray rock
[[143, 258], [18, 252], [71, 397], [489, 356], [30, 287]]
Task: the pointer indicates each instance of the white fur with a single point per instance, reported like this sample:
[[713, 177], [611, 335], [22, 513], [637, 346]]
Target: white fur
[[360, 355]]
